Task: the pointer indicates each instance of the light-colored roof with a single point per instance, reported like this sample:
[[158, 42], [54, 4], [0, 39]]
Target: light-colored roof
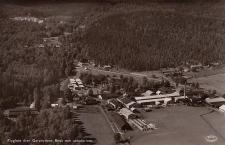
[[128, 105], [32, 105], [79, 83], [214, 100], [222, 107], [147, 93], [175, 94], [78, 80], [72, 80], [126, 112], [154, 100]]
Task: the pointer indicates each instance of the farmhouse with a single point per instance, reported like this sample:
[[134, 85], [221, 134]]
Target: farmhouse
[[217, 102], [128, 102], [121, 122], [115, 103], [147, 93], [127, 113]]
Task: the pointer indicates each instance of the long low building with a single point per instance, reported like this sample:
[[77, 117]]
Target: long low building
[[175, 94], [13, 113], [156, 99], [217, 102]]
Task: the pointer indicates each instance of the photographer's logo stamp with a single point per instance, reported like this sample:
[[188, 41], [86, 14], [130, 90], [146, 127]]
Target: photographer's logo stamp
[[211, 138]]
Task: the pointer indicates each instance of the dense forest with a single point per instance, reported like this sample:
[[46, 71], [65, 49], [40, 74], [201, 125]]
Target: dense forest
[[50, 124], [27, 71], [151, 40]]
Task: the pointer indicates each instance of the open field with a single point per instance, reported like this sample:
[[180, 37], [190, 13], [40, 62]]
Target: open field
[[217, 121], [96, 125], [206, 72], [180, 125], [213, 82]]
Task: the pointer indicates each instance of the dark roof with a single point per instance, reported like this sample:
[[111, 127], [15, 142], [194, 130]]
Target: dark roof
[[17, 111], [106, 96], [22, 109], [193, 93], [125, 100], [132, 93], [116, 103], [121, 122], [166, 90]]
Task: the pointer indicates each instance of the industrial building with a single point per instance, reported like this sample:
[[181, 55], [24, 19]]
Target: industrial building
[[156, 99]]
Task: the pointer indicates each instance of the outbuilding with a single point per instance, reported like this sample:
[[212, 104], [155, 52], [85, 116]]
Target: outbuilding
[[222, 109], [121, 122], [217, 102]]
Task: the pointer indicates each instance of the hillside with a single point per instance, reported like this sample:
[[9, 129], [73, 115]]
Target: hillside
[[158, 35]]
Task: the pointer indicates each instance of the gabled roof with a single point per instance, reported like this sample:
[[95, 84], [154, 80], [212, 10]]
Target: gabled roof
[[215, 100], [108, 96], [147, 93], [120, 121], [222, 107], [116, 103], [166, 90]]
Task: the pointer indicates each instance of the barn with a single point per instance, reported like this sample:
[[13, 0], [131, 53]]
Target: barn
[[121, 122]]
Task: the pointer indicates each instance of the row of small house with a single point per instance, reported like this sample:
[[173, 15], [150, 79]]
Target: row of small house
[[75, 84]]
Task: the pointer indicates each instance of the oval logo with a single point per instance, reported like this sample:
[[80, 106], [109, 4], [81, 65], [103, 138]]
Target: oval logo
[[211, 138]]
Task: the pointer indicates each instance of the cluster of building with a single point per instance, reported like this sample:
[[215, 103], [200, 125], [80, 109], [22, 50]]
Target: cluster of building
[[30, 19], [75, 84]]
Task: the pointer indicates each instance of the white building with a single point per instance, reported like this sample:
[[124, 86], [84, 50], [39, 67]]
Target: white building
[[127, 113], [157, 98], [222, 109]]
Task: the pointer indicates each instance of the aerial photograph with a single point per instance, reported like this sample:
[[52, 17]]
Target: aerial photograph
[[112, 72]]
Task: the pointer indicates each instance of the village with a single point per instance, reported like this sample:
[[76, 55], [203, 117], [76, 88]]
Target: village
[[124, 103]]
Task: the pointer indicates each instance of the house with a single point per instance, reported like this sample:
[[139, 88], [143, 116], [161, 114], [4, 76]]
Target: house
[[217, 102], [73, 105], [147, 93], [193, 93], [128, 102], [166, 90], [54, 105], [121, 122], [40, 21], [81, 64], [115, 103], [127, 113], [222, 109], [107, 67], [105, 96]]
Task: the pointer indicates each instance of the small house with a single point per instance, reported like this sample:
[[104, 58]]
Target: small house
[[127, 113], [115, 104]]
